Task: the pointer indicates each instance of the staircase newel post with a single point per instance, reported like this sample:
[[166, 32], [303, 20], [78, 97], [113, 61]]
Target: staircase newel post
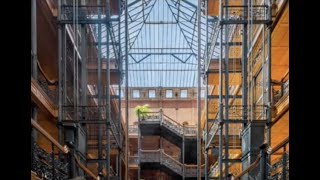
[[161, 116]]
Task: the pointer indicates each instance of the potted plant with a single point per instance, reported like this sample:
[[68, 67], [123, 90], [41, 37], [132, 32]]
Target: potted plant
[[142, 111]]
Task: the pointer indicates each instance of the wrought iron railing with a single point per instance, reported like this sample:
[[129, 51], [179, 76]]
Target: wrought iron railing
[[236, 113], [46, 165], [282, 92], [173, 125], [159, 156], [280, 169], [256, 12], [164, 120], [133, 160], [150, 155], [261, 169], [133, 130], [86, 114], [43, 164], [51, 90], [171, 163]]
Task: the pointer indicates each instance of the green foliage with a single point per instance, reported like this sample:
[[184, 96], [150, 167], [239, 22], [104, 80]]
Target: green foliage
[[142, 111]]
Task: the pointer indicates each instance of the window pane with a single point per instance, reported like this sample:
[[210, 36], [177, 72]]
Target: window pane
[[203, 93], [152, 93], [169, 93], [184, 93], [136, 94]]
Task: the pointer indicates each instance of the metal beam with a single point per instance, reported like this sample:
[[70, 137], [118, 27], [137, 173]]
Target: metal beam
[[87, 21], [135, 38], [223, 96], [230, 22], [89, 121], [103, 96], [155, 53], [229, 44], [181, 28], [232, 160]]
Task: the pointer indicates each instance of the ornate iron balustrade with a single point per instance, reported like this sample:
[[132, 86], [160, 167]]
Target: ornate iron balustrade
[[256, 13], [236, 111], [191, 170], [212, 131], [50, 89], [190, 131], [92, 113], [214, 170], [174, 126], [133, 160], [42, 165], [150, 155], [159, 117], [280, 169], [133, 130], [171, 163], [284, 90], [158, 156]]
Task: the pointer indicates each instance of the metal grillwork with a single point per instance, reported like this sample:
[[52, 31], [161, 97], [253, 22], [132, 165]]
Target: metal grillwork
[[87, 10], [42, 165], [160, 118], [283, 91], [239, 14], [235, 112], [133, 160], [49, 89], [159, 156], [133, 130], [90, 115], [280, 169]]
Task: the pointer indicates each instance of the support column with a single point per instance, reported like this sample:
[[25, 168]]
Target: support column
[[83, 95], [206, 66], [83, 66], [183, 155], [139, 147], [263, 162], [199, 94], [226, 113], [220, 96], [61, 50], [206, 130], [35, 118], [284, 165], [99, 90], [34, 53], [126, 89], [117, 165], [120, 94], [220, 151], [120, 165], [108, 106], [245, 68], [269, 91]]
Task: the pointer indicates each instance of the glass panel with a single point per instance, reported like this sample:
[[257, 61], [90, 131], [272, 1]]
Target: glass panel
[[169, 93], [184, 93], [136, 93], [152, 93]]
